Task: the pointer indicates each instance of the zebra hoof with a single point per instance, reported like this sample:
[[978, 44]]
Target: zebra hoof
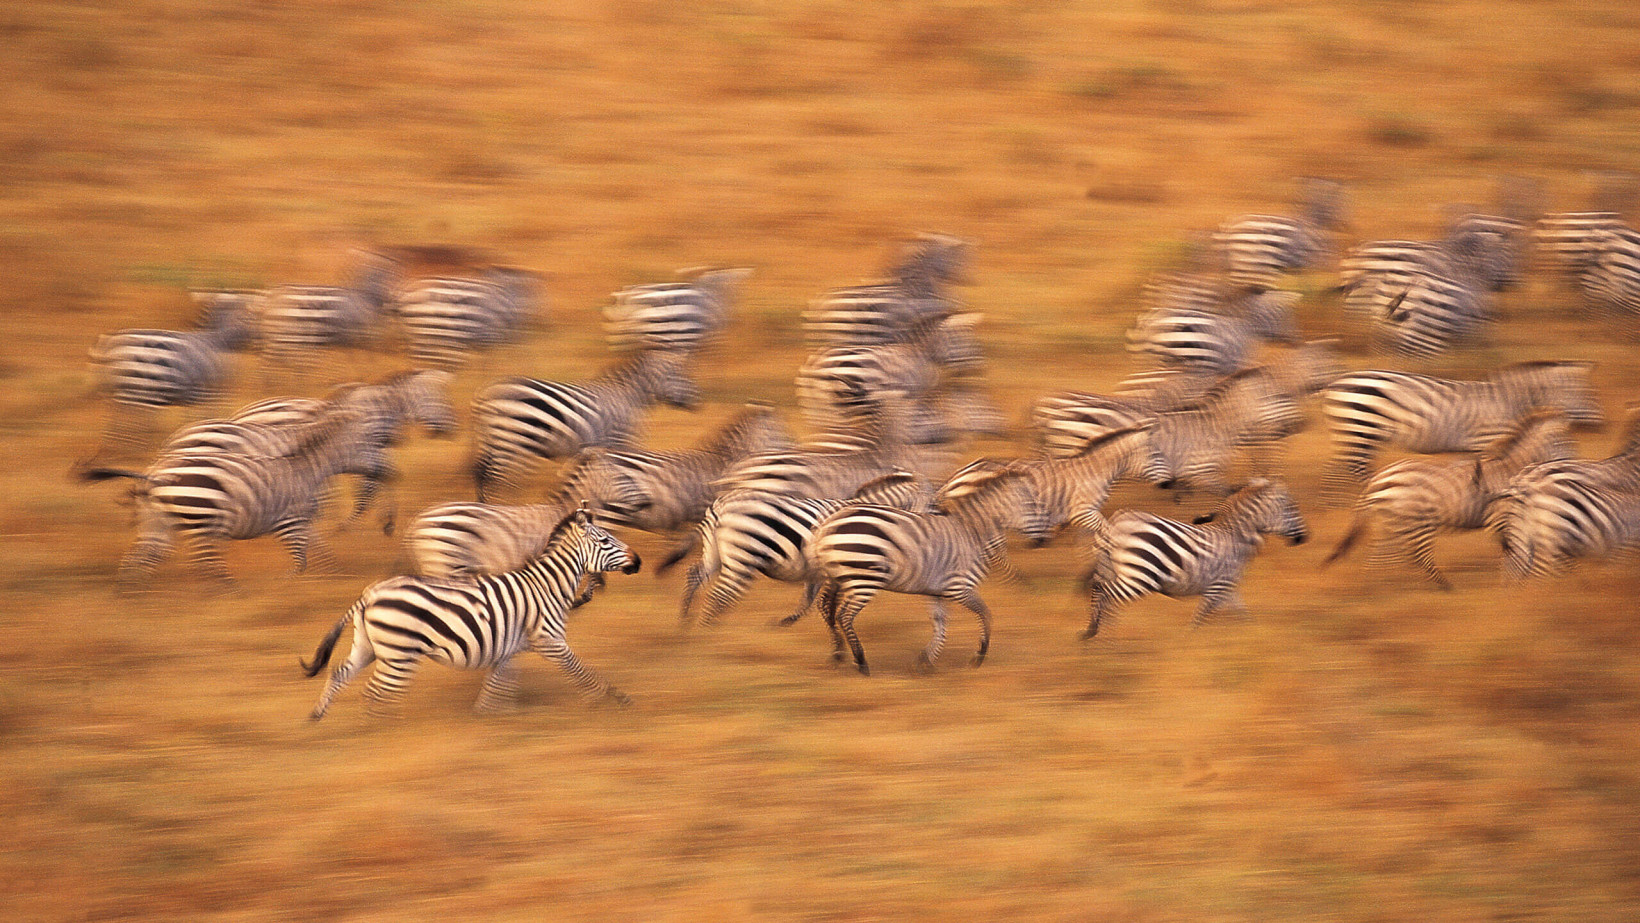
[[620, 698], [924, 665], [1089, 634], [864, 670], [977, 660]]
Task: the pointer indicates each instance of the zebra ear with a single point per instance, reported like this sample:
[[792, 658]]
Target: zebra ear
[[1205, 518]]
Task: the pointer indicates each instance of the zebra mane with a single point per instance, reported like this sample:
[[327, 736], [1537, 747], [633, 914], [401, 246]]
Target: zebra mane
[[733, 433], [976, 477], [1237, 498], [1218, 392], [578, 515]]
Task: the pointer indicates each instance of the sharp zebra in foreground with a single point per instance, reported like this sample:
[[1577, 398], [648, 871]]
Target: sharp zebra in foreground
[[480, 623], [1137, 553]]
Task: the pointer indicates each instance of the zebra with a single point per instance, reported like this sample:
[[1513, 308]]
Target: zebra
[[1421, 413], [1137, 553], [837, 462], [1257, 249], [1610, 282], [880, 313], [519, 419], [747, 533], [673, 315], [1555, 512], [143, 370], [1422, 298], [1252, 409], [476, 623], [1414, 499], [299, 320], [943, 554], [1215, 341], [446, 318], [210, 497], [1073, 490], [937, 354], [673, 489], [384, 408], [466, 539]]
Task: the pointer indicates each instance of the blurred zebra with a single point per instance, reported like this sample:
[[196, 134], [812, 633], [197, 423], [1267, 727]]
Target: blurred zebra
[[1558, 511], [446, 318], [837, 462], [747, 533], [210, 497], [1610, 282], [1074, 490], [1412, 500], [882, 312], [1421, 413], [476, 623], [467, 539], [517, 420], [298, 321], [835, 385], [143, 370], [673, 489], [1422, 298], [1137, 553], [1258, 249], [1196, 443], [271, 427], [673, 315], [943, 554], [1214, 341]]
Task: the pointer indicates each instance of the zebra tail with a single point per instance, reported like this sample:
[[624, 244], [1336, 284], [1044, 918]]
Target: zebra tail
[[679, 551], [1358, 527], [90, 475], [321, 657]]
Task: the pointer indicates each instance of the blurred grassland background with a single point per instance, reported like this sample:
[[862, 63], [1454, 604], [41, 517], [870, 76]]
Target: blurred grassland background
[[1365, 749]]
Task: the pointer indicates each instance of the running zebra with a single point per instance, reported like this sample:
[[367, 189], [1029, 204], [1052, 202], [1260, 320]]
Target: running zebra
[[938, 354], [749, 533], [1258, 249], [1611, 280], [1559, 511], [673, 489], [1219, 342], [446, 318], [208, 498], [1137, 554], [1422, 298], [1413, 499], [1252, 409], [384, 409], [517, 420], [477, 623], [1073, 490], [143, 370], [882, 312], [943, 554], [1420, 413], [300, 320], [682, 316], [469, 539]]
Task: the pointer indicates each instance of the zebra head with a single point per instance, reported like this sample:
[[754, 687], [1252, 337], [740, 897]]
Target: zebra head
[[1263, 507], [929, 262], [600, 551], [993, 496], [230, 316], [669, 379]]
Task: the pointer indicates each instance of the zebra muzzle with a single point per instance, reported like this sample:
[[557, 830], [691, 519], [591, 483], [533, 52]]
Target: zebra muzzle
[[635, 565]]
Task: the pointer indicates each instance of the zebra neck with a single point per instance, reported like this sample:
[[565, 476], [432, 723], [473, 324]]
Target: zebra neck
[[554, 575]]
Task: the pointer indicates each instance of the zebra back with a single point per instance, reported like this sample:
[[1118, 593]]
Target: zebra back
[[673, 315]]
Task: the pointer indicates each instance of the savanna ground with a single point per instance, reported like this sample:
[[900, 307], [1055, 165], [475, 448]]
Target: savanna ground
[[1364, 749]]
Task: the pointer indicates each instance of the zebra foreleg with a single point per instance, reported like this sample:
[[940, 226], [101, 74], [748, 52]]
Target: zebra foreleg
[[692, 579], [1101, 606], [299, 539], [1419, 545], [811, 589], [585, 678], [1215, 599]]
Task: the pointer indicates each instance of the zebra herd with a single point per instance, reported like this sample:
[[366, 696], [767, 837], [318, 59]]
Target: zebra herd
[[896, 372]]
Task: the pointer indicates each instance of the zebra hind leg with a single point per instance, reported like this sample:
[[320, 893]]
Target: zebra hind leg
[[1420, 550], [1101, 608], [500, 692], [931, 653], [846, 610], [811, 590], [358, 658], [387, 685], [971, 599]]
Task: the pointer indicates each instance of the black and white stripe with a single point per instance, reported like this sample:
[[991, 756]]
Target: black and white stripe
[[1413, 500], [208, 498], [299, 321], [1137, 553], [1369, 410], [685, 315], [1195, 444], [517, 420], [749, 533], [1259, 249], [859, 551], [937, 356], [1222, 340], [447, 318], [882, 312], [143, 370], [478, 623]]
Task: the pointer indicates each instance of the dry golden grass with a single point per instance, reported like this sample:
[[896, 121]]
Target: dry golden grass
[[1363, 750]]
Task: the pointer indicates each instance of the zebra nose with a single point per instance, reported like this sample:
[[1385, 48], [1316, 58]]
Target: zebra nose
[[1300, 538], [634, 567], [1167, 484]]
